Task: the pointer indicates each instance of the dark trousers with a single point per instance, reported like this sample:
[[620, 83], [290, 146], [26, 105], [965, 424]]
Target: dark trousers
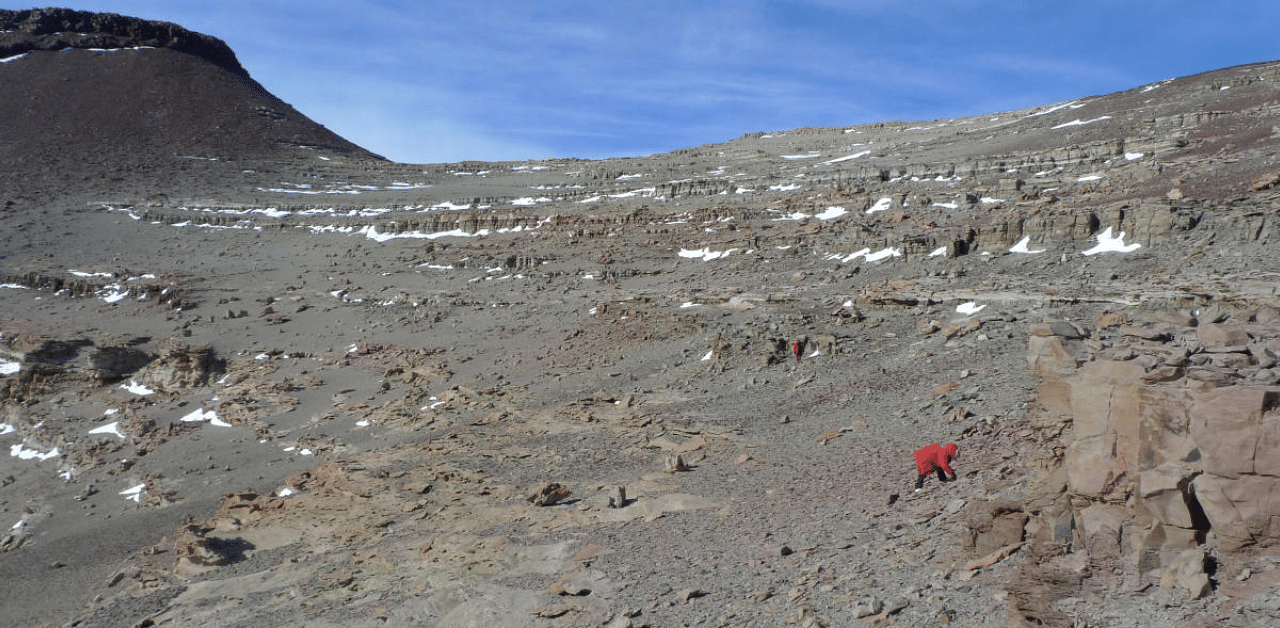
[[942, 477]]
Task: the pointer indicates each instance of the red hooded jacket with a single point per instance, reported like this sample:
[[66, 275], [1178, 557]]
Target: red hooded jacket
[[933, 457]]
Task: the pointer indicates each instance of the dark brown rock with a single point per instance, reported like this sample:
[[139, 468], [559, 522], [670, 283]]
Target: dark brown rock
[[549, 494]]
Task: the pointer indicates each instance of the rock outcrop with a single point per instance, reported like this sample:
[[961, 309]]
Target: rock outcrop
[[181, 366], [108, 359], [59, 29], [1166, 460]]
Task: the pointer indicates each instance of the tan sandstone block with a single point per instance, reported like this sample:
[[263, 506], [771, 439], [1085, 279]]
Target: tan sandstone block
[[1163, 435], [1054, 355], [1226, 424], [1104, 397], [1217, 336], [1187, 572], [1162, 491], [1241, 511], [1266, 458], [1091, 465]]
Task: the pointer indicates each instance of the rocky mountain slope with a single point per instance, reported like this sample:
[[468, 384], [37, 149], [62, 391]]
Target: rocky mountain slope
[[289, 383], [115, 101]]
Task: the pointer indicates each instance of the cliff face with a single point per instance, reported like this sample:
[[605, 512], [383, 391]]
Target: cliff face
[[1161, 455], [58, 29]]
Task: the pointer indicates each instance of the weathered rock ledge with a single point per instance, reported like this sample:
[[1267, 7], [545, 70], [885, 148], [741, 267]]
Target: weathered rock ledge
[[1160, 459], [57, 29]]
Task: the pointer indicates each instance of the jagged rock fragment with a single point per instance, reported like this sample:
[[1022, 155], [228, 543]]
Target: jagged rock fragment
[[675, 464], [1187, 572], [549, 494], [867, 607]]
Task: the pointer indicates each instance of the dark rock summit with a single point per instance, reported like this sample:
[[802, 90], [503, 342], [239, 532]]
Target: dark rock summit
[[58, 29], [93, 99]]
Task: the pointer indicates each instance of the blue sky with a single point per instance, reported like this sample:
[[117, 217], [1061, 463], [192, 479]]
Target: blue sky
[[424, 81]]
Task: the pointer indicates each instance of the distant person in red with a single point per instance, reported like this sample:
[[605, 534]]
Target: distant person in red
[[797, 348], [935, 457]]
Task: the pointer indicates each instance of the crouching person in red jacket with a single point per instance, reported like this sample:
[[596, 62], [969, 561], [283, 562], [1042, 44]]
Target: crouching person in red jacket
[[935, 457]]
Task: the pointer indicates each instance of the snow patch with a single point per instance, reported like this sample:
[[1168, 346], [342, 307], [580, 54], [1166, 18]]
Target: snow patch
[[846, 158], [1021, 246], [110, 428], [706, 254], [1079, 122], [134, 493], [1108, 244], [831, 213], [137, 389], [22, 453], [881, 205]]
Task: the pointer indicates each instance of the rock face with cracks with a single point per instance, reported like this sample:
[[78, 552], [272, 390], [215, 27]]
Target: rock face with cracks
[[1160, 464]]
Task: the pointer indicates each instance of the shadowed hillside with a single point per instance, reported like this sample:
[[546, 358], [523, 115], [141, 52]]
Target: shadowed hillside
[[93, 99]]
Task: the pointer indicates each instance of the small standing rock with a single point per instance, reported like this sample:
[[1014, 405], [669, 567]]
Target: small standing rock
[[676, 464], [618, 497]]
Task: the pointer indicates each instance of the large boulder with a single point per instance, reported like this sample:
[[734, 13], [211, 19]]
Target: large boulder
[[1104, 397], [993, 525], [1101, 530], [181, 366], [1187, 572], [1055, 354], [1166, 492], [1242, 512], [1164, 436], [116, 361], [1092, 467], [109, 358], [1227, 426], [1219, 338]]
